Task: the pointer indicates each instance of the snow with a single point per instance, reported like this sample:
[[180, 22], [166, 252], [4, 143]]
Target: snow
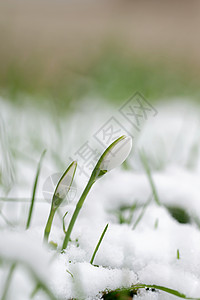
[[26, 249], [147, 254]]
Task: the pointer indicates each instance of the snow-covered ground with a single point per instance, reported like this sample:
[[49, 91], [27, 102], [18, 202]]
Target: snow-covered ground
[[146, 254]]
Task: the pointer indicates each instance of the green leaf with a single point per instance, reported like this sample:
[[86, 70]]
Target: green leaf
[[34, 190]]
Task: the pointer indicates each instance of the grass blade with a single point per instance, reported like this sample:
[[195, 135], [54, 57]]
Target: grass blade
[[178, 254], [148, 172], [164, 289], [131, 212], [8, 281], [142, 213], [5, 219], [155, 287], [34, 190], [98, 244]]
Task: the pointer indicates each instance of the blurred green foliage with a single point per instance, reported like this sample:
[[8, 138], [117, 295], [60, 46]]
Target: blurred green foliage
[[112, 76]]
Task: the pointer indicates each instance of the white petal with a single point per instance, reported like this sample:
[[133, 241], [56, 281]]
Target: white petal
[[117, 154], [65, 183]]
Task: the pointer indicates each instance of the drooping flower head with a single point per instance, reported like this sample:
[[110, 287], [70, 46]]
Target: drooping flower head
[[113, 156]]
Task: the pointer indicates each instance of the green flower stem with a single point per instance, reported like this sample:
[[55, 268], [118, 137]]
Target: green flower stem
[[76, 212], [49, 223]]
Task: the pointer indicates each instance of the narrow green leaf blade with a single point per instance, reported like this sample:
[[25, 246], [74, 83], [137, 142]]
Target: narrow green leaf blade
[[34, 190]]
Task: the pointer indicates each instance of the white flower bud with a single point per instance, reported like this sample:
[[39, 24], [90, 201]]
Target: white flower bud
[[116, 154], [113, 156], [64, 184]]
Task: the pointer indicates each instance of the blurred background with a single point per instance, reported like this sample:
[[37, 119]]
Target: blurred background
[[57, 53], [66, 67]]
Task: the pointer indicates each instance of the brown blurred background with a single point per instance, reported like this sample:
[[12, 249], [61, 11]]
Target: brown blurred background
[[66, 49]]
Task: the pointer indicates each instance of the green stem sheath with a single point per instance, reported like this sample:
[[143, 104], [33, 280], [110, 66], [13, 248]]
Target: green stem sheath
[[49, 223], [76, 212], [57, 199]]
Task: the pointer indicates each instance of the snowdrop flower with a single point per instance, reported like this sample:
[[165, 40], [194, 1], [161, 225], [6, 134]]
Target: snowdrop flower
[[64, 184], [114, 155], [62, 188]]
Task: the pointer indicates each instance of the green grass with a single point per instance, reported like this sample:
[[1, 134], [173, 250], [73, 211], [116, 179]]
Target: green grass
[[8, 281], [179, 214], [34, 190], [40, 284], [164, 289], [139, 218], [123, 293], [98, 244], [178, 254], [113, 75], [147, 169]]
